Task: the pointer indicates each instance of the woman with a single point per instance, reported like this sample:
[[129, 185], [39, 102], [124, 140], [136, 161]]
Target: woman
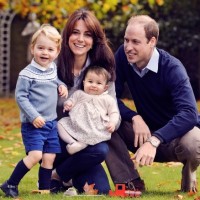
[[84, 43]]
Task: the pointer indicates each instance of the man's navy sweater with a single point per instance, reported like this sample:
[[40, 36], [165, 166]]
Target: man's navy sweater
[[165, 99]]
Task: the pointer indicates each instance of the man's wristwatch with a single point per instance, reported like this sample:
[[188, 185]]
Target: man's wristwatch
[[154, 141]]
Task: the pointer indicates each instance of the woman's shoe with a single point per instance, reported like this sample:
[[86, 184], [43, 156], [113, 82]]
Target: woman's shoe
[[55, 186], [58, 186]]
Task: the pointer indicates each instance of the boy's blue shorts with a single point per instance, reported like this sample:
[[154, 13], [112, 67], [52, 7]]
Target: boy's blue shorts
[[43, 139]]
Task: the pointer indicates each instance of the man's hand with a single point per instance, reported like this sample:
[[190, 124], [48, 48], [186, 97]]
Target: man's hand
[[62, 91], [141, 131], [39, 122], [145, 154]]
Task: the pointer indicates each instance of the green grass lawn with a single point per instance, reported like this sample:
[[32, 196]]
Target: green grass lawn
[[162, 179]]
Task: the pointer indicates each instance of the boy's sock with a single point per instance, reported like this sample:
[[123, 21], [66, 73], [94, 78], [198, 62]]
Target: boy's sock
[[44, 178], [18, 173]]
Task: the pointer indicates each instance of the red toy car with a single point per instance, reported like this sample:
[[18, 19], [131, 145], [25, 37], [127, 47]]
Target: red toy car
[[120, 190]]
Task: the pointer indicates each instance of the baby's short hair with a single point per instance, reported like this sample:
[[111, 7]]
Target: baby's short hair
[[98, 70]]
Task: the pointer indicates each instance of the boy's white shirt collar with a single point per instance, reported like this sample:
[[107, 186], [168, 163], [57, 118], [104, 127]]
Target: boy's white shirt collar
[[152, 64], [36, 65]]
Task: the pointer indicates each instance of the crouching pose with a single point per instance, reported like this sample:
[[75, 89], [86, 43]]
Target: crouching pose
[[166, 124]]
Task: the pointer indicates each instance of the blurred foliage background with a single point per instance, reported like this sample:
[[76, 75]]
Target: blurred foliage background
[[56, 12], [179, 23]]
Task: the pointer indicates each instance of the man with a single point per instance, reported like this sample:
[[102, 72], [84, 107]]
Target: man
[[165, 127]]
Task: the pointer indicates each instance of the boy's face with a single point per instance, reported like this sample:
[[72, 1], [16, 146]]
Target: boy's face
[[95, 84], [44, 51]]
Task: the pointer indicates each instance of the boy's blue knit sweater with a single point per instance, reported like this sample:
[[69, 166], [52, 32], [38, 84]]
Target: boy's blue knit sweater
[[165, 99], [37, 93]]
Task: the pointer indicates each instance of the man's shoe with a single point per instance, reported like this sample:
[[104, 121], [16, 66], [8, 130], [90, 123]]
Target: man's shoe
[[136, 184], [189, 180], [191, 187], [9, 190]]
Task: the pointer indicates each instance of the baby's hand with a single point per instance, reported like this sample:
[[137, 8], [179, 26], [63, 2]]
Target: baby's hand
[[39, 122], [67, 106], [63, 91], [110, 127]]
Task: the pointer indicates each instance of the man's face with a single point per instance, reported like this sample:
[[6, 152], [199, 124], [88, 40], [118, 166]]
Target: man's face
[[136, 46]]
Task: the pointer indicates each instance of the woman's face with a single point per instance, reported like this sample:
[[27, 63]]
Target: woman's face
[[80, 41]]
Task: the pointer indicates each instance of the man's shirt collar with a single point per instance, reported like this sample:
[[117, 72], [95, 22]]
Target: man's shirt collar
[[152, 64]]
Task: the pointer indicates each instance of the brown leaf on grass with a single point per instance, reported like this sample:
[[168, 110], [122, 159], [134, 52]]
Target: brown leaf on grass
[[18, 135], [191, 193], [178, 196], [197, 198], [17, 145], [13, 164], [155, 172], [155, 164], [41, 192], [15, 153], [8, 129], [2, 137], [7, 149], [89, 189], [173, 164], [6, 123]]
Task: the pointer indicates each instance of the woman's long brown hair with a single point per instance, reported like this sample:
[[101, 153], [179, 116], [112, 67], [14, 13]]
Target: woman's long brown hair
[[100, 54]]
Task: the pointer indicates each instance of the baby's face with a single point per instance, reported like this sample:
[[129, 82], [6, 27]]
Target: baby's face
[[95, 84]]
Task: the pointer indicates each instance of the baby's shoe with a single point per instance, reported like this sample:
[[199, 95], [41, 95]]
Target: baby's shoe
[[75, 147]]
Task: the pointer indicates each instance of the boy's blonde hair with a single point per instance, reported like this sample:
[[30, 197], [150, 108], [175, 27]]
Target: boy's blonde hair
[[50, 32]]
